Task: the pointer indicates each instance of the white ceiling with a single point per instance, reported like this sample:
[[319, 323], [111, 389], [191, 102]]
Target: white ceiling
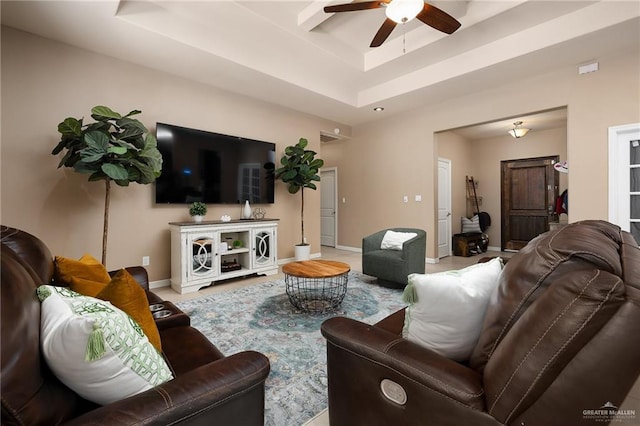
[[291, 53]]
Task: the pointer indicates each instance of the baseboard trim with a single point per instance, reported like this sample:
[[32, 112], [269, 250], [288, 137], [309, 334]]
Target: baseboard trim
[[160, 284], [293, 259], [347, 248]]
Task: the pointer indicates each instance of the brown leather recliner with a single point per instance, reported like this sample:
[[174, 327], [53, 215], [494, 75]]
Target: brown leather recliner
[[560, 339], [208, 387]]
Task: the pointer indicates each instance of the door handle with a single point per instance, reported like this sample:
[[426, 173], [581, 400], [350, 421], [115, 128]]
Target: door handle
[[448, 214]]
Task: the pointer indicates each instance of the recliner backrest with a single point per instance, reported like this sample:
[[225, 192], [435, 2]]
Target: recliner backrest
[[31, 394], [550, 319]]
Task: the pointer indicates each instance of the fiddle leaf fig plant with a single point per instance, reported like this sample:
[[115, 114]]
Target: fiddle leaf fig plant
[[114, 148], [299, 170]]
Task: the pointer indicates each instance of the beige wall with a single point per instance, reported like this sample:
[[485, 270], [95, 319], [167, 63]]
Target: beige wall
[[398, 153], [44, 81]]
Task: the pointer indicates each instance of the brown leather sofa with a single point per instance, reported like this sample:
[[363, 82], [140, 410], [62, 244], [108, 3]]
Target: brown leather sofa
[[208, 387], [560, 340]]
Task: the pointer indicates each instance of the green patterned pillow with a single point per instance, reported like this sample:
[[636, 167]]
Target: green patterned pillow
[[95, 348]]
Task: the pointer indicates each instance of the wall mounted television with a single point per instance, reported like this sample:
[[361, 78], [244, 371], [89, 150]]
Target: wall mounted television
[[213, 168]]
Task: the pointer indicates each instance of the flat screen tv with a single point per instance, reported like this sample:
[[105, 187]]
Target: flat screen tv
[[213, 168]]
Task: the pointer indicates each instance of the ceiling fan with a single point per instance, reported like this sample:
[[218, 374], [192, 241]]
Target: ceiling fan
[[399, 12]]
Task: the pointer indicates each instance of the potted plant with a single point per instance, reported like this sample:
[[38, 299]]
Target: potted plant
[[300, 170], [197, 210], [115, 148]]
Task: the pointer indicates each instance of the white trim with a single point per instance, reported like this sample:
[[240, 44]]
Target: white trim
[[431, 260], [618, 175], [293, 259], [159, 284], [347, 248]]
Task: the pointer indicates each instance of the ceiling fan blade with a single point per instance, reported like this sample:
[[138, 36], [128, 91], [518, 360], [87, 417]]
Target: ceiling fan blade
[[438, 19], [385, 29], [350, 7]]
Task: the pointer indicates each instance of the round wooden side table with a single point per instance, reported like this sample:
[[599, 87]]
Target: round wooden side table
[[316, 285]]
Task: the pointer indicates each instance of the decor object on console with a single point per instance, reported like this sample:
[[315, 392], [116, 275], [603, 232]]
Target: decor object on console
[[392, 267], [225, 218], [197, 260], [401, 12], [565, 306], [207, 388], [115, 148], [259, 213], [300, 170], [246, 211], [518, 131], [197, 210]]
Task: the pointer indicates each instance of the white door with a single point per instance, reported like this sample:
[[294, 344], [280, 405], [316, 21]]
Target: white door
[[444, 207], [328, 206], [624, 177]]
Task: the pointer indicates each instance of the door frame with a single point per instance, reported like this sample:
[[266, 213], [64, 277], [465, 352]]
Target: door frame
[[619, 174], [334, 171], [449, 207]]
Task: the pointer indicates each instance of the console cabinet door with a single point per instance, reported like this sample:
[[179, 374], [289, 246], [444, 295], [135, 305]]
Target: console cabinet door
[[264, 248], [202, 258]]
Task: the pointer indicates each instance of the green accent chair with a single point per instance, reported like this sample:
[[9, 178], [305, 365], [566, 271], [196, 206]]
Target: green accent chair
[[392, 267]]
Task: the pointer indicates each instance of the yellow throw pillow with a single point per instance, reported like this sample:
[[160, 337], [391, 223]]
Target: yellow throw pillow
[[87, 287], [86, 268], [125, 293]]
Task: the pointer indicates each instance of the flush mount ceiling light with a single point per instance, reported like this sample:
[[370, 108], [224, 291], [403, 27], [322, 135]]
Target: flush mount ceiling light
[[401, 11], [378, 109], [518, 131]]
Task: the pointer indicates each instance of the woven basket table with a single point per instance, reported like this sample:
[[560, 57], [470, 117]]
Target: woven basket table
[[316, 285]]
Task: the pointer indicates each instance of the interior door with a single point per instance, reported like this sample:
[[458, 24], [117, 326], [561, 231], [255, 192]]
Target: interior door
[[624, 177], [529, 191], [444, 207], [328, 217]]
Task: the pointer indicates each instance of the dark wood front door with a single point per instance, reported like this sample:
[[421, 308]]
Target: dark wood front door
[[529, 191]]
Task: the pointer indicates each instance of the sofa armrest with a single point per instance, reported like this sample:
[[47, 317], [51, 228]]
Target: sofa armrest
[[372, 242], [414, 249], [413, 362], [229, 391]]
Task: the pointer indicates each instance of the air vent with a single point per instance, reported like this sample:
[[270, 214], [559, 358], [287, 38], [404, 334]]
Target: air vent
[[330, 136]]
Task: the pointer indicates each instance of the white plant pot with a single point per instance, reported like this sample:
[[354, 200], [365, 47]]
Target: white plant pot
[[303, 253], [197, 218]]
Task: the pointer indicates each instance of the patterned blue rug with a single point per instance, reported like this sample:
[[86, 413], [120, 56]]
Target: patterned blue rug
[[261, 318]]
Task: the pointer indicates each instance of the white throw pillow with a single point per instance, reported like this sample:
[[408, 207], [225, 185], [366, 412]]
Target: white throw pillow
[[96, 349], [393, 240], [448, 308], [471, 225]]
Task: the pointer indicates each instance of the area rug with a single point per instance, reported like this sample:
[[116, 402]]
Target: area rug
[[261, 318]]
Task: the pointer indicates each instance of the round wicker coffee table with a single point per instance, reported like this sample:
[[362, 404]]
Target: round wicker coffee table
[[316, 285]]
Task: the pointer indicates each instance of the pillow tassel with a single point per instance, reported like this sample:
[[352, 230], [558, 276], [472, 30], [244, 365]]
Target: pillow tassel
[[409, 294], [95, 345]]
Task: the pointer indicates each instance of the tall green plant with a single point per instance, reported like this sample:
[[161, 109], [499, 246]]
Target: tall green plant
[[299, 170], [114, 148]]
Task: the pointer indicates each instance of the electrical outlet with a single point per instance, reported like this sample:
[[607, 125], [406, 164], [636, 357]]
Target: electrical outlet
[[145, 261], [405, 199]]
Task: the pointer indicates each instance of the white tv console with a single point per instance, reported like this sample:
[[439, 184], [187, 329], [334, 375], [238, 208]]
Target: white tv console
[[205, 252]]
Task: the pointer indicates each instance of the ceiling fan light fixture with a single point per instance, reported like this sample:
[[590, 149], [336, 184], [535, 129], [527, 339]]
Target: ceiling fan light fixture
[[518, 131], [401, 11]]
